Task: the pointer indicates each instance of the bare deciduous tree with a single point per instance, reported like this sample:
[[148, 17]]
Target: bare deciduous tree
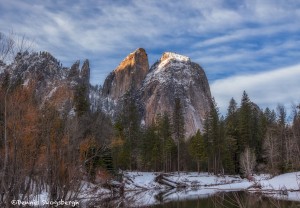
[[6, 47], [12, 44], [271, 147], [247, 162]]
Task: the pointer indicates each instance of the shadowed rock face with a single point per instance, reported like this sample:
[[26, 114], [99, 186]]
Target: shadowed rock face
[[129, 74], [173, 76]]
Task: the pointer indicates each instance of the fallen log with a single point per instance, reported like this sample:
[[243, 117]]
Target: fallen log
[[162, 179]]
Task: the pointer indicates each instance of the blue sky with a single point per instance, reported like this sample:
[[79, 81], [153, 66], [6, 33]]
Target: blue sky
[[250, 45]]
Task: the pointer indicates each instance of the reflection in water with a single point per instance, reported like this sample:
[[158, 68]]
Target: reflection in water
[[230, 200], [197, 198]]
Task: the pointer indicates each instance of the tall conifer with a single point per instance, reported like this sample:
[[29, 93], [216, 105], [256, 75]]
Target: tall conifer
[[178, 127]]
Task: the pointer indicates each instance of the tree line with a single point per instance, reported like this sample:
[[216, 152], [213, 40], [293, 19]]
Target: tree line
[[247, 139]]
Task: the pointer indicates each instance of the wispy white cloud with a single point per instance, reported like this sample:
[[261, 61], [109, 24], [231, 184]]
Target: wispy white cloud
[[272, 11], [249, 52], [116, 24], [267, 89], [226, 37], [242, 34]]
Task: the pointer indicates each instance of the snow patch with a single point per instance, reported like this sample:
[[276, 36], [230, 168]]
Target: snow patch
[[167, 70], [287, 181], [175, 56], [51, 93], [72, 112], [141, 180], [26, 82]]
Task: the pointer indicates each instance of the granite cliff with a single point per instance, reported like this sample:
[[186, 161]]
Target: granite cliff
[[176, 76], [129, 74], [155, 89]]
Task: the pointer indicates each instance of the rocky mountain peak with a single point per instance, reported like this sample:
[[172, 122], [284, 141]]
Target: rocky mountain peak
[[53, 84], [136, 57], [85, 72], [128, 75], [74, 70], [176, 76]]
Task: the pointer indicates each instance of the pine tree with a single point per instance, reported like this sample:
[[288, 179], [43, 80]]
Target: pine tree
[[270, 116], [231, 162], [154, 147], [169, 147], [212, 138], [117, 145], [244, 123], [164, 133], [129, 117], [281, 123], [81, 101], [258, 134], [197, 149], [271, 140], [178, 128]]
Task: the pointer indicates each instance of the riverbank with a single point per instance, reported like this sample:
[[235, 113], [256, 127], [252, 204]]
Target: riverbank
[[140, 189], [143, 187]]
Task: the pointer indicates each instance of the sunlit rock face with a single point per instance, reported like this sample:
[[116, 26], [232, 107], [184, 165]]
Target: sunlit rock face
[[129, 74]]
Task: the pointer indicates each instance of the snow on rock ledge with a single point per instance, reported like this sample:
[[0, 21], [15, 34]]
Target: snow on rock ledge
[[174, 56]]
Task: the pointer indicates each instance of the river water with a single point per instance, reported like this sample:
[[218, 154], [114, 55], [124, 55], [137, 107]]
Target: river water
[[230, 200]]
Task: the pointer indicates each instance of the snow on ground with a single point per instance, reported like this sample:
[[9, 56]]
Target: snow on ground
[[287, 181], [283, 187], [288, 196], [87, 191], [141, 180], [146, 180], [237, 186], [142, 188], [202, 179]]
